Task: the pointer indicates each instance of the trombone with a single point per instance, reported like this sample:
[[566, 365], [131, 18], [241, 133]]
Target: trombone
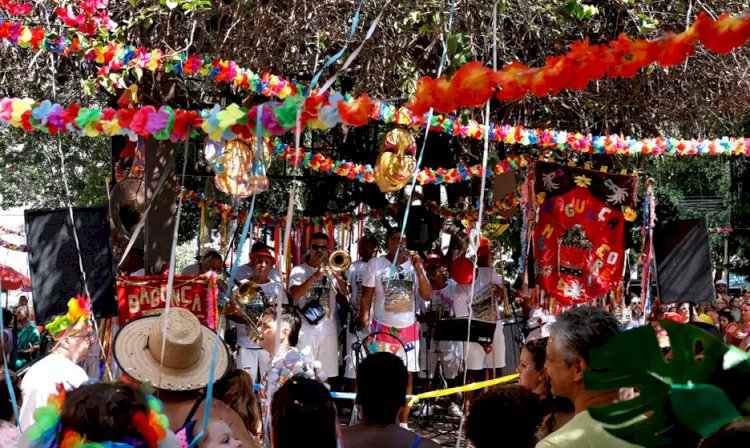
[[338, 262], [246, 293]]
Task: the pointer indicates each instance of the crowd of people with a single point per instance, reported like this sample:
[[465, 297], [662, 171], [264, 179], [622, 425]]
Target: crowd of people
[[272, 384]]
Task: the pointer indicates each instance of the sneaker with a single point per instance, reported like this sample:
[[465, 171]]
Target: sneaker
[[424, 410], [454, 410], [404, 425]]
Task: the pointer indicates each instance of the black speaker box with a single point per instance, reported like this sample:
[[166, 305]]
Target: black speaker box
[[53, 260], [683, 262]]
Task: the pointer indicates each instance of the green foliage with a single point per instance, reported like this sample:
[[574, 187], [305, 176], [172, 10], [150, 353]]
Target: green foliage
[[580, 10], [675, 397]]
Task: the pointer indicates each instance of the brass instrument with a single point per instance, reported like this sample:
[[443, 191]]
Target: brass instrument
[[246, 293], [339, 261], [127, 205]]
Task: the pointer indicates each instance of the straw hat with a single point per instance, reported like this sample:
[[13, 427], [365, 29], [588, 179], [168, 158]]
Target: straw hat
[[187, 352]]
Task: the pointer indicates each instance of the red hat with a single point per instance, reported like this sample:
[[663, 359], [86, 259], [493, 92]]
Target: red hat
[[462, 271], [265, 252], [673, 317], [437, 257], [484, 247]]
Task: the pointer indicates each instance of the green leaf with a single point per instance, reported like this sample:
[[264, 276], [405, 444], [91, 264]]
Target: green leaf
[[634, 359], [703, 407]]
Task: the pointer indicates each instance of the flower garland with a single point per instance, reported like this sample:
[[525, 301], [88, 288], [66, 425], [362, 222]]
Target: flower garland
[[43, 434], [4, 229], [14, 8], [365, 173], [234, 121], [267, 219], [12, 246], [116, 56], [88, 17], [473, 84]]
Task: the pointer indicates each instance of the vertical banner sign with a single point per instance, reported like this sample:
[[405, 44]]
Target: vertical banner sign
[[144, 296], [579, 238]]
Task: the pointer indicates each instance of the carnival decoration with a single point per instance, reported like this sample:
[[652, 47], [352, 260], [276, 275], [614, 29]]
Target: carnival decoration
[[78, 318], [15, 8], [144, 296], [580, 233], [234, 121], [396, 162], [473, 84]]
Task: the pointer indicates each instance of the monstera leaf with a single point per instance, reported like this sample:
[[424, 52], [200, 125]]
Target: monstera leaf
[[673, 395]]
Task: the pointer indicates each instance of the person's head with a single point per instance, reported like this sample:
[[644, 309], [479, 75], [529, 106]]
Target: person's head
[[735, 302], [290, 325], [719, 304], [211, 260], [23, 301], [745, 312], [22, 314], [7, 318], [258, 245], [219, 435], [483, 254], [683, 309], [74, 331], [134, 260], [531, 372], [318, 248], [721, 287], [436, 270], [6, 407], [746, 294], [572, 337], [302, 410], [381, 387], [725, 318], [116, 412], [636, 307], [735, 434], [367, 248], [394, 239], [236, 391], [262, 261], [511, 405]]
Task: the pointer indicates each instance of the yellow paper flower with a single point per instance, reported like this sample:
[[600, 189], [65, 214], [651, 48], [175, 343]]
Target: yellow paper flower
[[629, 214], [582, 181]]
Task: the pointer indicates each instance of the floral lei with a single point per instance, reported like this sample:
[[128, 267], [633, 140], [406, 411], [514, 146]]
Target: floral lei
[[43, 434]]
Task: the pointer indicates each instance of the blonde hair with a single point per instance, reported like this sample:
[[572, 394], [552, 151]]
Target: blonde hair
[[236, 391]]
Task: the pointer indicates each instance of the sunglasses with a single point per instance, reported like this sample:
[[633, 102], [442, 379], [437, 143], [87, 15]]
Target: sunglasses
[[682, 308], [317, 247]]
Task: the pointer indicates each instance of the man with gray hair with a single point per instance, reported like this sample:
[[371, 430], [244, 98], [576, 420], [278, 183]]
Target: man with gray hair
[[572, 337]]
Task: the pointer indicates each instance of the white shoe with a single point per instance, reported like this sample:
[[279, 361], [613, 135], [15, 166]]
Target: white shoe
[[424, 411], [405, 426], [454, 410]]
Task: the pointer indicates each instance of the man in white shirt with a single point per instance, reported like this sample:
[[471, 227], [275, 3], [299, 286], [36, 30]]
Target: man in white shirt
[[250, 356], [245, 271], [391, 293], [311, 288], [60, 366], [367, 248]]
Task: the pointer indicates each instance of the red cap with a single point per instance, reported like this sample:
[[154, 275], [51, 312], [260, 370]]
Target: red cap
[[462, 271], [265, 252], [435, 257]]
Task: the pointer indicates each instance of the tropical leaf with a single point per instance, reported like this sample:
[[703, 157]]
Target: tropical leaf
[[672, 394]]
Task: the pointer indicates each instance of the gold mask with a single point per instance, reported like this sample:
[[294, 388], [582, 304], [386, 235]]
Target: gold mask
[[232, 162], [396, 162]]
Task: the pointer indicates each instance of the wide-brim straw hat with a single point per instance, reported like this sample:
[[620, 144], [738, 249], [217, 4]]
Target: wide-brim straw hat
[[187, 352]]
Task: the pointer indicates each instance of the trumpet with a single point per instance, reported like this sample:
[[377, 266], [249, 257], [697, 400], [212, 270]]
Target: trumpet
[[340, 261]]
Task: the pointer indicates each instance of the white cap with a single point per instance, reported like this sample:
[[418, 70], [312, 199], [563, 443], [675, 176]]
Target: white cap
[[721, 282]]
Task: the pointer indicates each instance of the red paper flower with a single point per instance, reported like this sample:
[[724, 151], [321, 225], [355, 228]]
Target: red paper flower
[[356, 113], [511, 83], [423, 99], [674, 49], [724, 34], [445, 98], [474, 84], [70, 115]]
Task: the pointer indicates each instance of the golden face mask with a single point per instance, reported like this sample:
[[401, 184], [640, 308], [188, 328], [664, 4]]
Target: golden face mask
[[396, 162], [232, 162]]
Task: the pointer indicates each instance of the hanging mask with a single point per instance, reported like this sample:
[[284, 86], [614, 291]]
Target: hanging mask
[[238, 172], [396, 162]]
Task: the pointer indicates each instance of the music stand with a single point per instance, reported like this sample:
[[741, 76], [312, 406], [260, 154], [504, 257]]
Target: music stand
[[461, 329]]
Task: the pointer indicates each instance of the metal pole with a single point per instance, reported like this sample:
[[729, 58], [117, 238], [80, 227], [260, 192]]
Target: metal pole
[[726, 261]]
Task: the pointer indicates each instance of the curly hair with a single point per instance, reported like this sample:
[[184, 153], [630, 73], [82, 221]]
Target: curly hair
[[103, 411], [513, 405]]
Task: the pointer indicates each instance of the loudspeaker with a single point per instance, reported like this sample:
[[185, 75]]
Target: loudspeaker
[[53, 260], [683, 262]]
